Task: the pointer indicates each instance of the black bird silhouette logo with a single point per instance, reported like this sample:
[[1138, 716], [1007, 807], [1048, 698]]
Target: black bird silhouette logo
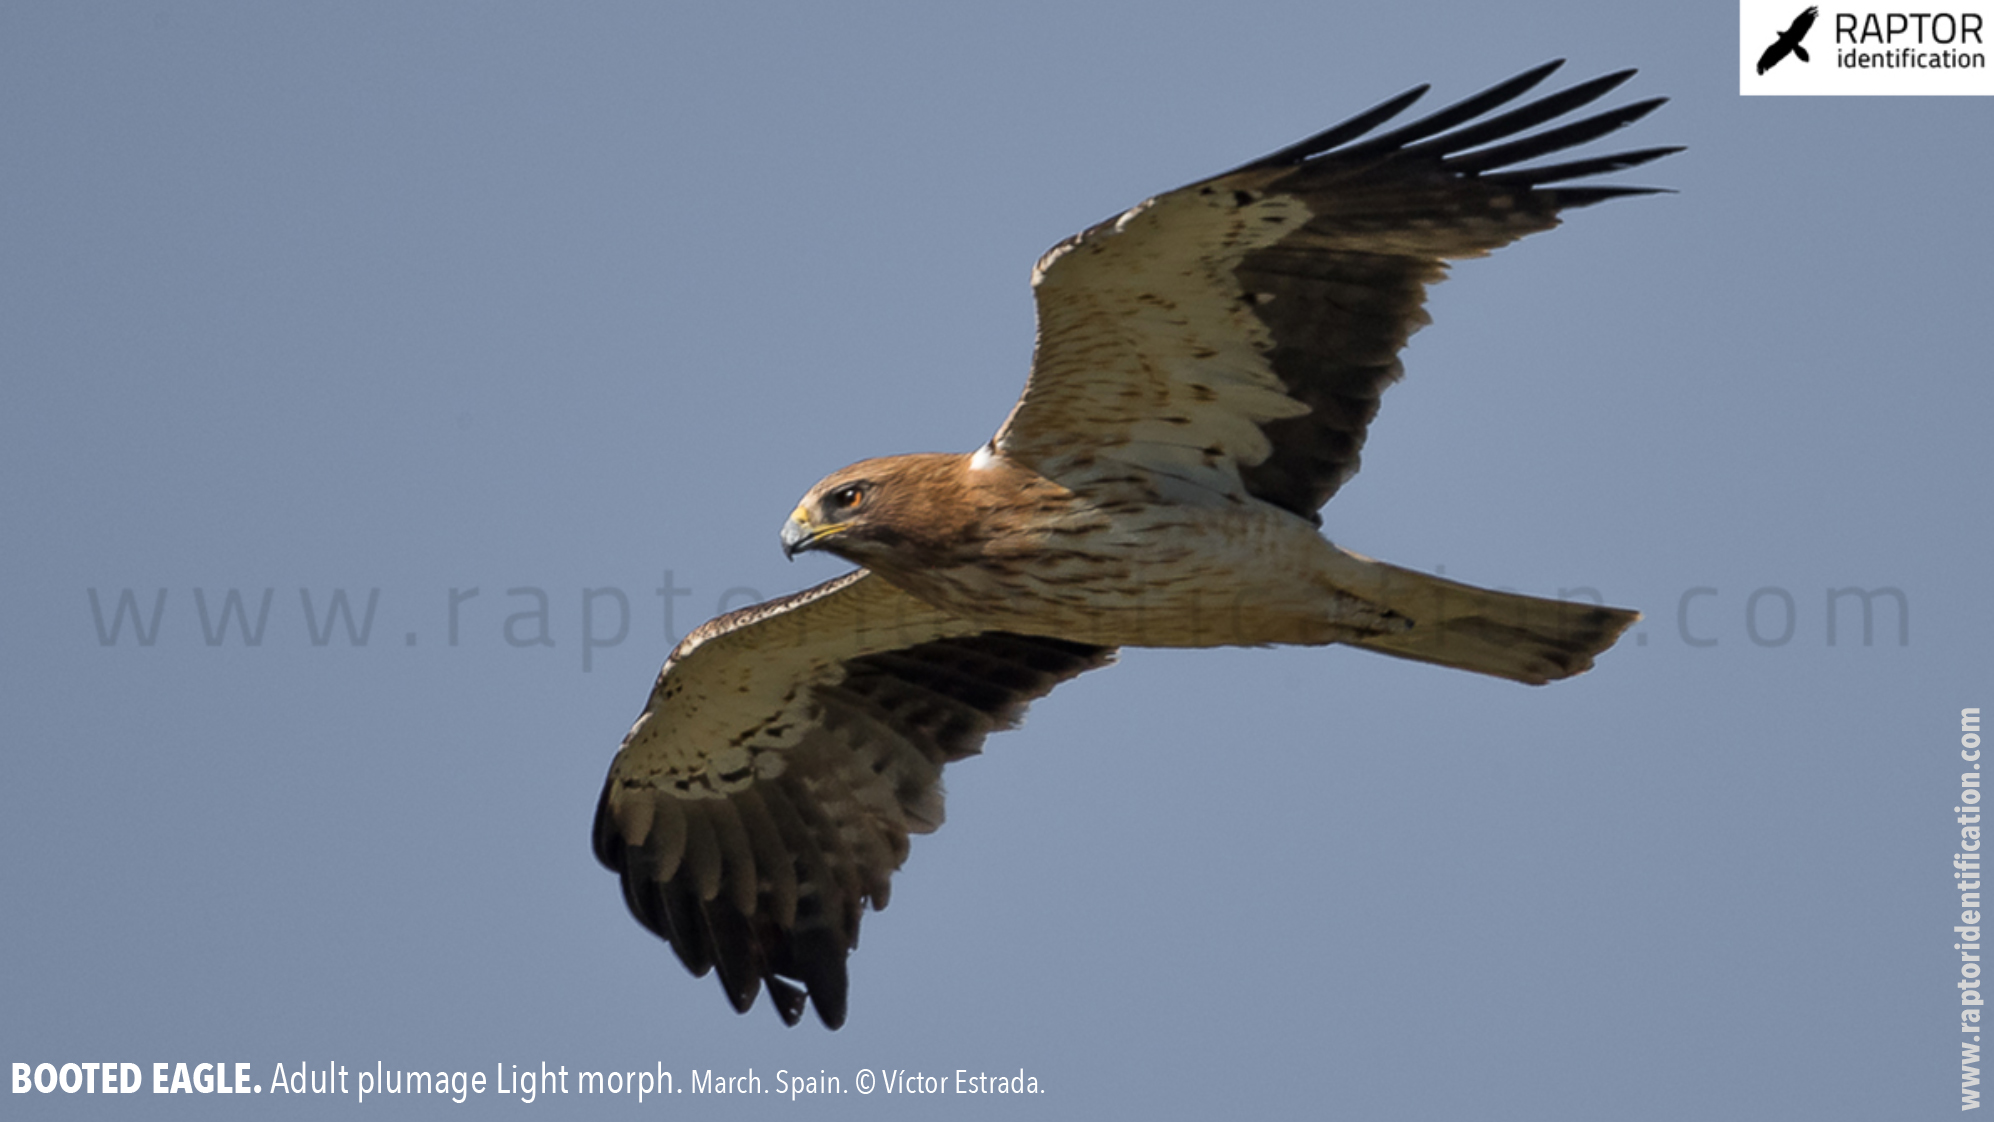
[[1788, 42]]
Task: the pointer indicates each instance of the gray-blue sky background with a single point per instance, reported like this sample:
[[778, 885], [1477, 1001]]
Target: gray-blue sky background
[[423, 298]]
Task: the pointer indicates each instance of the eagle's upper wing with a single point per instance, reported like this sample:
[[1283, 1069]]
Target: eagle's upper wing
[[1233, 336], [787, 751], [1802, 23]]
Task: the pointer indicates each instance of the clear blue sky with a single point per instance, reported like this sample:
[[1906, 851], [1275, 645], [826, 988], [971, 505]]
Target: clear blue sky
[[430, 298]]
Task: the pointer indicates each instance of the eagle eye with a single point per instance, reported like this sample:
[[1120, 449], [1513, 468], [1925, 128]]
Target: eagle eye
[[847, 497]]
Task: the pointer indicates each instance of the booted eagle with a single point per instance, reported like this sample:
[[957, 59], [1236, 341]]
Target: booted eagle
[[1207, 364]]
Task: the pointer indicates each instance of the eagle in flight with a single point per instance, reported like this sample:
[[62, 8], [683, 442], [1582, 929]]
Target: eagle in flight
[[1207, 364], [1789, 41]]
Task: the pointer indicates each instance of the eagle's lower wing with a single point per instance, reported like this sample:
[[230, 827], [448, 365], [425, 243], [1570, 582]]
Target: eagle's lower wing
[[788, 750], [1234, 336]]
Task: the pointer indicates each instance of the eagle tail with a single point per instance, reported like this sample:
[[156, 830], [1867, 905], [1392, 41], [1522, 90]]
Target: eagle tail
[[1800, 53], [1522, 638]]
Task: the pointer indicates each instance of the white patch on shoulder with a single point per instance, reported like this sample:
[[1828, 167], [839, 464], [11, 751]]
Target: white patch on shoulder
[[1130, 214], [982, 458], [1051, 255]]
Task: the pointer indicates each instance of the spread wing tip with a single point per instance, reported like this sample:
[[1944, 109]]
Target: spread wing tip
[[709, 935], [1469, 149]]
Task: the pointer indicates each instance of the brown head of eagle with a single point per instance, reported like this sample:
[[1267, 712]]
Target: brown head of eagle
[[1208, 363]]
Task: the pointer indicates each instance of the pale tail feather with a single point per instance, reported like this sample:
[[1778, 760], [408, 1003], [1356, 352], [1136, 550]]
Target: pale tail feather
[[1523, 638]]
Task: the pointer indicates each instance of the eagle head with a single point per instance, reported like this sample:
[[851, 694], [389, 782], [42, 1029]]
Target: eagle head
[[898, 509], [837, 505]]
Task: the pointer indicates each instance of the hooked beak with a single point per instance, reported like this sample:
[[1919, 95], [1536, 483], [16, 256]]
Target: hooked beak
[[798, 534]]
